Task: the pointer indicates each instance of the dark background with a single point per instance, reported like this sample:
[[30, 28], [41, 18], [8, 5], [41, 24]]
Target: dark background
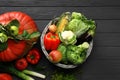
[[104, 61]]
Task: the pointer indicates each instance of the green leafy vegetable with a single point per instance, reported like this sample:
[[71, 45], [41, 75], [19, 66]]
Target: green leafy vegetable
[[25, 35], [62, 76], [79, 24], [76, 15], [35, 34]]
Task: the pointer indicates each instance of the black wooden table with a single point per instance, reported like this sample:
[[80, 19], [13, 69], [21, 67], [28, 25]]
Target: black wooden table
[[104, 61]]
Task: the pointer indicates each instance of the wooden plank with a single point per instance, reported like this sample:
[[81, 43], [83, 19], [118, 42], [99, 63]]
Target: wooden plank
[[60, 3], [108, 26], [50, 12], [105, 53], [107, 39], [103, 26]]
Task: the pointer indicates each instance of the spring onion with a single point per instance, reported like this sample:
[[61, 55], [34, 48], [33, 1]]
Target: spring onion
[[34, 74]]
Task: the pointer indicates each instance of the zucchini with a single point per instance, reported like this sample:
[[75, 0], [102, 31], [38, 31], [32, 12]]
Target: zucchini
[[64, 19]]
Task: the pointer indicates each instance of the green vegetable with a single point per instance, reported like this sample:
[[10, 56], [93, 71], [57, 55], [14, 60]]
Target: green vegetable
[[74, 58], [20, 74], [10, 30], [14, 30], [34, 35], [62, 48], [67, 37], [3, 37], [76, 15], [84, 45], [62, 76], [34, 74], [25, 35], [77, 54], [79, 24]]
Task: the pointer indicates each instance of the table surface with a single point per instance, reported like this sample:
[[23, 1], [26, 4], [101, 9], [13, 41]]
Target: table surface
[[104, 61]]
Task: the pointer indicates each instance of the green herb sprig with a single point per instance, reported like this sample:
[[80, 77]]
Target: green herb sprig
[[62, 76]]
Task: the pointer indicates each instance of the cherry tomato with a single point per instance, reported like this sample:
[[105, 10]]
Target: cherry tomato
[[5, 76], [33, 56], [21, 64]]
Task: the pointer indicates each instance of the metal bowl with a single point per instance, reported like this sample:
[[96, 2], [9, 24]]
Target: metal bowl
[[65, 66]]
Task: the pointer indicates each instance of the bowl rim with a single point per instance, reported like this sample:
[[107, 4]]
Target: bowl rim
[[65, 66]]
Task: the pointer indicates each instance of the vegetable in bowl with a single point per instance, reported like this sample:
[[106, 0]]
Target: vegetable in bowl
[[76, 34]]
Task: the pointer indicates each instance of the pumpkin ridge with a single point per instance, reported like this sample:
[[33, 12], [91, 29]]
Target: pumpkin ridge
[[9, 56]]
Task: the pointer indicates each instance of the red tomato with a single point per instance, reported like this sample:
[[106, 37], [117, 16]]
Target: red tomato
[[5, 76], [55, 56], [14, 49], [21, 64], [33, 56]]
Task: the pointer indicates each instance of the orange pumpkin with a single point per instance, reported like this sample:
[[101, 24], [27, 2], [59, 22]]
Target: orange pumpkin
[[15, 49]]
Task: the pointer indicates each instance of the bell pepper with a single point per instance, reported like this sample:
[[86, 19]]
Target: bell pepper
[[33, 56], [51, 41]]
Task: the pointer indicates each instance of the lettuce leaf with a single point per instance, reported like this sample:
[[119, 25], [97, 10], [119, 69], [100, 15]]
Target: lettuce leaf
[[79, 24]]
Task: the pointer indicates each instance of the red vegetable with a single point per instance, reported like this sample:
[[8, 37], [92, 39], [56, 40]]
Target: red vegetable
[[13, 51], [16, 49], [26, 22], [51, 41], [55, 56], [33, 56], [5, 76], [21, 64]]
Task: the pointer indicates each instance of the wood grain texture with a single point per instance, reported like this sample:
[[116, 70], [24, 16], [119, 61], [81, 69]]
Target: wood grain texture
[[51, 12], [65, 3], [104, 61]]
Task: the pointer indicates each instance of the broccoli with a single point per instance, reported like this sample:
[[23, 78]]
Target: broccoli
[[77, 54]]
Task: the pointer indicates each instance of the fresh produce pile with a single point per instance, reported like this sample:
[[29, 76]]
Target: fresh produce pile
[[68, 38], [18, 34]]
